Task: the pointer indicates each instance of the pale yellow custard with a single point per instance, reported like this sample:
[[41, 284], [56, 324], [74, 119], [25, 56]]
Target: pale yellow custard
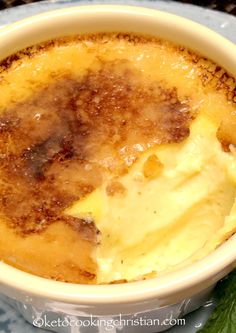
[[117, 158]]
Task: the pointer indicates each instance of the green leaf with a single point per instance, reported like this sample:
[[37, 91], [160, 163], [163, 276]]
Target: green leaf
[[223, 318]]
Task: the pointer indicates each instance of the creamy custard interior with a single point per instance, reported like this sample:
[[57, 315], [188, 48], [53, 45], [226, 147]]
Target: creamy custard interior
[[117, 158]]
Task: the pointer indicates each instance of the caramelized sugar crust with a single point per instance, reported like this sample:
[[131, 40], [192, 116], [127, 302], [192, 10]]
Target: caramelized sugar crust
[[212, 75], [58, 145], [215, 77], [63, 141]]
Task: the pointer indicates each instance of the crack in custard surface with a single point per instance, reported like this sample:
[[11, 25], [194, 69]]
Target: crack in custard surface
[[58, 145]]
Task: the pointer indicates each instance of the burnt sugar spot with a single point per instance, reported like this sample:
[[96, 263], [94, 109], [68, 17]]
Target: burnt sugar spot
[[60, 144]]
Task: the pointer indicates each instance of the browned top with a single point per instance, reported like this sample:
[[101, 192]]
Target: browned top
[[58, 145], [212, 75]]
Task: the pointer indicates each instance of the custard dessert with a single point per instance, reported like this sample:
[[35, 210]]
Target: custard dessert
[[117, 158]]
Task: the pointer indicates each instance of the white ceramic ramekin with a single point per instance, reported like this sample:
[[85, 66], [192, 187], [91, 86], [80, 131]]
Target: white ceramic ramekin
[[169, 296]]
